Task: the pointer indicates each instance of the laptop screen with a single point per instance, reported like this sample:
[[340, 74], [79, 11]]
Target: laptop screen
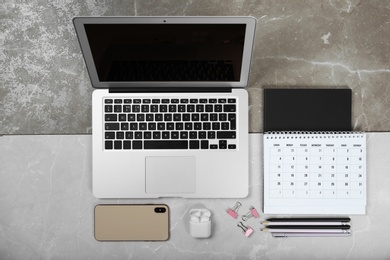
[[167, 52]]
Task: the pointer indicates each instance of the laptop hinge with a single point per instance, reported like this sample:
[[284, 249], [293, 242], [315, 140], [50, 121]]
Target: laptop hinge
[[171, 90]]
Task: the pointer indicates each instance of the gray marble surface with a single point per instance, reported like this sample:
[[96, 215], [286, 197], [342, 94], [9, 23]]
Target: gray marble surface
[[46, 210], [45, 88]]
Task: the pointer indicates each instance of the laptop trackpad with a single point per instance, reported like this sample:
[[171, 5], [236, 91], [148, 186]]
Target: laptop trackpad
[[170, 174]]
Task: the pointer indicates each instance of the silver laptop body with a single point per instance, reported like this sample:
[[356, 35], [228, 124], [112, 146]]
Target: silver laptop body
[[170, 112]]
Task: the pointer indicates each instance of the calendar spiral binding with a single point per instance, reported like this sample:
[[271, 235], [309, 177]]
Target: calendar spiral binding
[[314, 134]]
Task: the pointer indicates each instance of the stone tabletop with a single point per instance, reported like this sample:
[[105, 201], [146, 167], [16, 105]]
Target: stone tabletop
[[46, 210], [45, 88]]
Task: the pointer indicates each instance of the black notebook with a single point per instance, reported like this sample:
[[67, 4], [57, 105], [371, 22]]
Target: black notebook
[[313, 163], [307, 110]]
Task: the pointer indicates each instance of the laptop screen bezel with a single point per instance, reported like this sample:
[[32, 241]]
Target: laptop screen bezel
[[250, 23]]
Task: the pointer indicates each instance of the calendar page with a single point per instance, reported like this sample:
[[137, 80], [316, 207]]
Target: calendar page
[[314, 173]]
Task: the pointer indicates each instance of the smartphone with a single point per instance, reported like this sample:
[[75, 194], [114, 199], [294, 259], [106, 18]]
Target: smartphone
[[146, 222]]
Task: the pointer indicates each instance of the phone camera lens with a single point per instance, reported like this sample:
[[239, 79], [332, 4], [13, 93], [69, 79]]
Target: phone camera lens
[[159, 210]]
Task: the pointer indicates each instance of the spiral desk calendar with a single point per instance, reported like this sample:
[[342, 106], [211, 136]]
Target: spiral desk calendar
[[314, 173]]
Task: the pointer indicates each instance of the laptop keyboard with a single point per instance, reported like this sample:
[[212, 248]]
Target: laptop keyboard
[[154, 124]]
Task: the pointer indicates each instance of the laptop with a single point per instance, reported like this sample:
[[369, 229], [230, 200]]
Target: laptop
[[170, 109]]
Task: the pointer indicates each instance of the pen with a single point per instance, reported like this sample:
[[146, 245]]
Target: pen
[[302, 230], [307, 221], [311, 234], [308, 227]]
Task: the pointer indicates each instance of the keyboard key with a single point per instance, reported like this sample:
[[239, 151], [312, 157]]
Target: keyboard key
[[140, 117], [214, 117], [179, 126], [165, 135], [211, 135], [218, 108], [188, 126], [194, 144], [212, 100], [207, 126], [156, 101], [146, 101], [165, 101], [127, 108], [127, 145], [137, 145], [117, 108], [167, 117], [129, 135], [231, 146], [222, 117], [136, 108], [229, 108], [209, 108], [137, 101], [109, 135], [199, 108], [120, 135], [147, 135], [108, 108], [163, 108], [175, 101], [204, 144], [127, 101], [133, 126], [175, 135], [231, 100], [108, 101], [184, 101], [152, 126], [190, 108], [193, 101], [131, 117], [172, 108], [110, 117], [117, 145], [183, 135], [156, 135], [122, 117], [193, 135], [108, 145], [149, 117], [226, 134], [111, 126], [143, 126], [118, 101], [145, 108], [181, 108], [225, 126], [213, 146], [138, 135], [125, 126], [161, 144], [222, 100], [186, 117], [222, 144]]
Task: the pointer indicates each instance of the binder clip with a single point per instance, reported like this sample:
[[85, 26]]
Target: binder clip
[[247, 230], [233, 211], [252, 213]]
